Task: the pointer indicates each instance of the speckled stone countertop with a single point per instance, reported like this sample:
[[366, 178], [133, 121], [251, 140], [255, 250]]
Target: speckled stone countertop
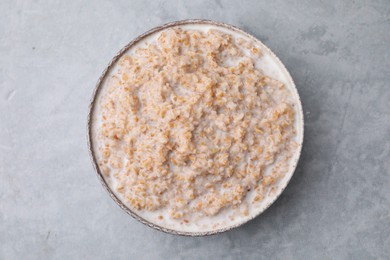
[[52, 205]]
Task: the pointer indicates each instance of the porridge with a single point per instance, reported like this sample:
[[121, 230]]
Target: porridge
[[190, 128]]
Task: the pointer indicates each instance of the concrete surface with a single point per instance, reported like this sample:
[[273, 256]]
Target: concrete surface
[[52, 206]]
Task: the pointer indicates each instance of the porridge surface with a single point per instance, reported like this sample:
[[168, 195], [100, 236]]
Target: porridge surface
[[190, 128]]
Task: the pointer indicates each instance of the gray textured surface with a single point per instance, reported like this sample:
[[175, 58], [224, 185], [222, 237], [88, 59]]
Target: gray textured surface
[[51, 203]]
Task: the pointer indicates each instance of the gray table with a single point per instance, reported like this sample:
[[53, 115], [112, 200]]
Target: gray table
[[51, 203]]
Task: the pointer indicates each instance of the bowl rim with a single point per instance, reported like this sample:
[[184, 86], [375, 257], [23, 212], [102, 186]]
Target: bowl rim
[[98, 87]]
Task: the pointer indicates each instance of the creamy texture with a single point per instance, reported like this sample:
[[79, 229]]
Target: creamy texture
[[192, 132]]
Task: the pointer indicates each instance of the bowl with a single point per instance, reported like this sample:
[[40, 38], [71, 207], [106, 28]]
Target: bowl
[[285, 78]]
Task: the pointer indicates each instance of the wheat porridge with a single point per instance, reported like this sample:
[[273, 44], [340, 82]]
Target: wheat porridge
[[191, 131]]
